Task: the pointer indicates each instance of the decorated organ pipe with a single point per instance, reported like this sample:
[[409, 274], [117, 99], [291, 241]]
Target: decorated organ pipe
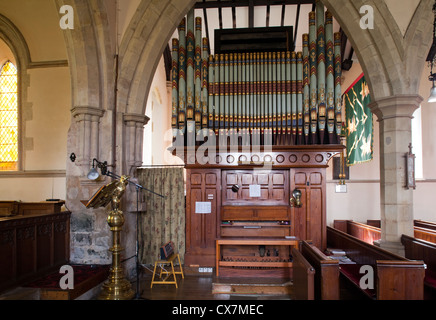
[[278, 98]]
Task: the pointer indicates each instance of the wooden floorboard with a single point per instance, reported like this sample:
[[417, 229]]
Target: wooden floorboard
[[194, 287]]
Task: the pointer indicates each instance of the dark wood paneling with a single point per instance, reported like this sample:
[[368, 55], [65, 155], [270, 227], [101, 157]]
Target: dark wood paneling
[[31, 246], [273, 185]]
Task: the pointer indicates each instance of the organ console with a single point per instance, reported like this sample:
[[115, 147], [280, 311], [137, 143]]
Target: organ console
[[281, 113]]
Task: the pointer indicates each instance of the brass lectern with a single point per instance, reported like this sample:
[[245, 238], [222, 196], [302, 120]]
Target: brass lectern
[[116, 287]]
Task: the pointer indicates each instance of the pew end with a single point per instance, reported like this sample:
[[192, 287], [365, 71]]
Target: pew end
[[304, 277], [400, 280]]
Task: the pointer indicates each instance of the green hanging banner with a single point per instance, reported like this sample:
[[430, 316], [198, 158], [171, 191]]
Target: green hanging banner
[[359, 123]]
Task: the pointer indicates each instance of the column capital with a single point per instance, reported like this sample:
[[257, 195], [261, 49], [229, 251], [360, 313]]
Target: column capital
[[80, 111], [136, 118], [398, 106]]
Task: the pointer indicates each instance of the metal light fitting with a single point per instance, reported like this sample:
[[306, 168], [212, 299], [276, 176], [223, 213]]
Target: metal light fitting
[[93, 173], [296, 199]]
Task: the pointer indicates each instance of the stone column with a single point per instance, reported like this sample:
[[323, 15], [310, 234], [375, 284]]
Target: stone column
[[134, 128], [394, 115], [88, 120]]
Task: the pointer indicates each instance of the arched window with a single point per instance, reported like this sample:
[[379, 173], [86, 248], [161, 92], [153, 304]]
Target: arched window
[[8, 117]]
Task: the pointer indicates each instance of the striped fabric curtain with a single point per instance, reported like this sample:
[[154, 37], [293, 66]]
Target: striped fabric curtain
[[164, 219]]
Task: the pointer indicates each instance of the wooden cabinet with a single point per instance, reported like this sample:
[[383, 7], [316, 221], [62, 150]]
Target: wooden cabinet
[[236, 213]]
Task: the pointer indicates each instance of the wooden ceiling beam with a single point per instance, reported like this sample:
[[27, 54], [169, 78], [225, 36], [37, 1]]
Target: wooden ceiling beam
[[251, 13], [297, 22], [247, 3], [220, 15], [268, 12], [234, 14], [282, 22]]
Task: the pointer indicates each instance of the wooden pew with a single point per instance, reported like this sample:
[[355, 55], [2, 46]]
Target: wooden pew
[[424, 224], [425, 234], [326, 272], [416, 249], [395, 277], [424, 230], [369, 233], [417, 223], [359, 230], [303, 277]]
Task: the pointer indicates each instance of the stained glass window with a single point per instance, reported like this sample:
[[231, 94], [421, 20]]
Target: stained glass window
[[8, 118]]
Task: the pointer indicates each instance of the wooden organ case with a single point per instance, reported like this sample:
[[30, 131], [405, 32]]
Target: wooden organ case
[[265, 214], [270, 120]]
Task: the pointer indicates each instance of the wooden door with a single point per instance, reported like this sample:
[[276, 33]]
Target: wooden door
[[202, 185], [309, 221]]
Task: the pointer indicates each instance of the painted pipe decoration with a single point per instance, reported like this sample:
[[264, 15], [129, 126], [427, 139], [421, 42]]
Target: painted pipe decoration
[[283, 98]]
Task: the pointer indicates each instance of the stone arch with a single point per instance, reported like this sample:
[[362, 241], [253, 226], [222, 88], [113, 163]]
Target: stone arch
[[142, 47], [388, 59], [90, 48], [10, 34], [13, 38], [140, 51], [393, 65]]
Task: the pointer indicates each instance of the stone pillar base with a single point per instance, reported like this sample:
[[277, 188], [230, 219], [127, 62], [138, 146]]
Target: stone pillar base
[[394, 247]]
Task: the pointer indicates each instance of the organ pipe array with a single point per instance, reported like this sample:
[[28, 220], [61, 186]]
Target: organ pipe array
[[278, 98]]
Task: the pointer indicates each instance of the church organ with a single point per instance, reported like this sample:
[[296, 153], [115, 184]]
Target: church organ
[[277, 98], [270, 123]]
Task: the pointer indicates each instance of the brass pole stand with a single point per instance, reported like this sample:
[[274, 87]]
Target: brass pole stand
[[117, 287]]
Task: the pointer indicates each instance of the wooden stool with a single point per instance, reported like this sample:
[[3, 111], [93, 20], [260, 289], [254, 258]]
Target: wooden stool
[[170, 261]]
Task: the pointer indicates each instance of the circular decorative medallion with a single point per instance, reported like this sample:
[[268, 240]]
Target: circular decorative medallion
[[267, 158], [255, 158], [319, 158], [280, 158]]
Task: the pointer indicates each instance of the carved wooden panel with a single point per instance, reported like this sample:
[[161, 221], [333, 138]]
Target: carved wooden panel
[[273, 187], [201, 229], [309, 221], [32, 245], [266, 157]]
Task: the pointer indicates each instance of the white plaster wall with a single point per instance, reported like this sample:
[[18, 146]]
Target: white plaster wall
[[32, 189], [46, 111], [49, 94]]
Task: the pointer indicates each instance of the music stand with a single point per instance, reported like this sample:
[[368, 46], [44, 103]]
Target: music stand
[[116, 287], [103, 196]]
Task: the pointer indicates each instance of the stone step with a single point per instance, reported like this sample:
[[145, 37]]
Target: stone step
[[252, 288]]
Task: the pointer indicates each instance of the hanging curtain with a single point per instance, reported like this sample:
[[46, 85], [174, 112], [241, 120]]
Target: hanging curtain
[[164, 219]]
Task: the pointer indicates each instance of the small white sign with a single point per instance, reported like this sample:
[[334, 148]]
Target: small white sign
[[203, 207], [255, 191], [341, 188]]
